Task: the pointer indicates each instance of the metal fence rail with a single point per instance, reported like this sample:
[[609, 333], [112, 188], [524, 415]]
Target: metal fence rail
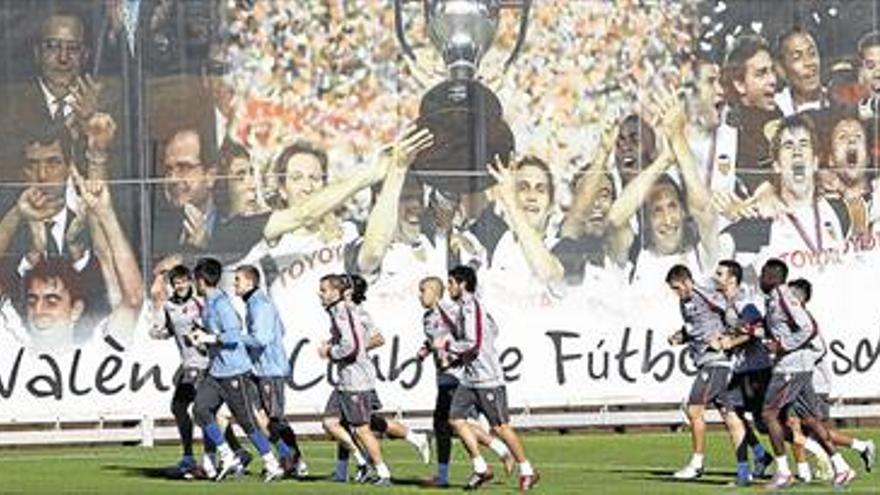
[[146, 431]]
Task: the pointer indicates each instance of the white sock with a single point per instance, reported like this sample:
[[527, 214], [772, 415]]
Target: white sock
[[382, 470], [697, 460], [359, 458], [525, 469], [839, 463], [499, 447], [782, 465], [479, 464], [859, 445], [208, 462], [804, 471], [814, 448], [413, 438], [269, 459]]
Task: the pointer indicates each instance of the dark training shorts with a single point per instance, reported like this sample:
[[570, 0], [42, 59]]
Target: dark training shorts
[[491, 402], [238, 392], [271, 395], [355, 408], [711, 387], [793, 391]]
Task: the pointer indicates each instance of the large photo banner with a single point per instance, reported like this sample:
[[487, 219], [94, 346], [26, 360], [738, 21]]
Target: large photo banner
[[571, 152]]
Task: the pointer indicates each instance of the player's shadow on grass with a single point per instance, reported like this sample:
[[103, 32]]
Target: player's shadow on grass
[[420, 483], [170, 473], [162, 472], [699, 481], [714, 478]]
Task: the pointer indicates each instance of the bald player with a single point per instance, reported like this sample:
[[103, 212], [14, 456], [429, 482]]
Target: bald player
[[437, 324]]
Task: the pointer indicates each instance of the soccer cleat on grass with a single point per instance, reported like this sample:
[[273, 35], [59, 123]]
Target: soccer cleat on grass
[[272, 470], [780, 481], [300, 469], [229, 465], [844, 478], [435, 482], [477, 480], [526, 483], [288, 465], [688, 473], [364, 474], [867, 455], [185, 469], [382, 482]]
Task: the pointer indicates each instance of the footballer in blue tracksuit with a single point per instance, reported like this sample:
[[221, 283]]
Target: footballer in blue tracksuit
[[264, 341], [229, 372]]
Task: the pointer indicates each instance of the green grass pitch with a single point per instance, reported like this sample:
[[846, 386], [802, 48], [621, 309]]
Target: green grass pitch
[[598, 463]]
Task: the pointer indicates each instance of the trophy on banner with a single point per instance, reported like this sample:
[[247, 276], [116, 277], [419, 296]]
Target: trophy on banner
[[464, 116]]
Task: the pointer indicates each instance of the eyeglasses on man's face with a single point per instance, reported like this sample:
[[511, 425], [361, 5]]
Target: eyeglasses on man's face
[[54, 45]]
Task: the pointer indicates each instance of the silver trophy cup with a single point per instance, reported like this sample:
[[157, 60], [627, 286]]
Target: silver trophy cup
[[465, 117]]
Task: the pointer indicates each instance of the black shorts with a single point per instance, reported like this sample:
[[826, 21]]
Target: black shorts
[[186, 381], [355, 408], [747, 390], [793, 392], [271, 393], [238, 392], [711, 387], [189, 376], [491, 402]]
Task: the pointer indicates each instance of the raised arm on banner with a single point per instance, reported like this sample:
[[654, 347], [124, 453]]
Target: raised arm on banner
[[100, 131], [589, 182], [119, 256], [699, 198], [382, 222], [313, 208], [635, 192]]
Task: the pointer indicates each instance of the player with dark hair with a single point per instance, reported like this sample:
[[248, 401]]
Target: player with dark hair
[[703, 313], [352, 398], [355, 293], [803, 291], [229, 373], [472, 342], [176, 316], [792, 331], [751, 364]]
